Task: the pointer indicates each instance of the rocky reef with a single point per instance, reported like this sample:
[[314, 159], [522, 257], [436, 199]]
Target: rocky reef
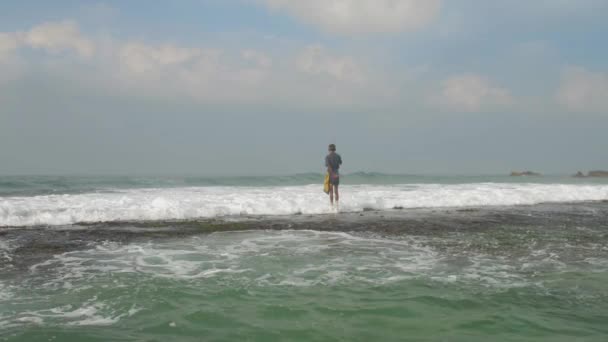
[[596, 173], [524, 173]]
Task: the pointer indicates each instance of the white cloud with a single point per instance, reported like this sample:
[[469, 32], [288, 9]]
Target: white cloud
[[202, 74], [471, 93], [361, 16], [582, 90], [53, 37], [317, 61], [142, 58], [314, 76], [246, 76], [58, 37]]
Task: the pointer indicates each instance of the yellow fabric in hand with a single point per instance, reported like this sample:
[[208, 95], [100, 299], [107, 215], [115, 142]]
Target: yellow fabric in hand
[[326, 184]]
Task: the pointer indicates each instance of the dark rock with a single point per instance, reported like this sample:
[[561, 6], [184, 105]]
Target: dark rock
[[599, 173], [524, 173]]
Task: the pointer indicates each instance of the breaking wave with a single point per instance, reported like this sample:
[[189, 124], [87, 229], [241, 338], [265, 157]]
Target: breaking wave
[[211, 202]]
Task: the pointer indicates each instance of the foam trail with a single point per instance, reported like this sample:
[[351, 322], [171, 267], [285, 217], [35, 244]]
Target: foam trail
[[209, 202]]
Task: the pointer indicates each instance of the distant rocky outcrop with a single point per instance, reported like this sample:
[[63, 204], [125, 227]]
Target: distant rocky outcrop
[[597, 173], [524, 173]]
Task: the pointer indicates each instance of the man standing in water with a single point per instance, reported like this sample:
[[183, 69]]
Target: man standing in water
[[333, 162]]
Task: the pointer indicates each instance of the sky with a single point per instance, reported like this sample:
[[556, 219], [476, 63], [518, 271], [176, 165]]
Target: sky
[[261, 87]]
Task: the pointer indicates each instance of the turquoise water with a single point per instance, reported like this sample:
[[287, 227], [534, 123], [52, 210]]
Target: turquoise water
[[39, 185]]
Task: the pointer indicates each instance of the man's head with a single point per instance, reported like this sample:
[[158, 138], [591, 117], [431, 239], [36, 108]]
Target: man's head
[[332, 147]]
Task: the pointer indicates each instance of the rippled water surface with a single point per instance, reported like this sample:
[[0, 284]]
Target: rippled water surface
[[514, 274]]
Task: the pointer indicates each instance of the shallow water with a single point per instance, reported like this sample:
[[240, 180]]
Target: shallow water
[[533, 273]]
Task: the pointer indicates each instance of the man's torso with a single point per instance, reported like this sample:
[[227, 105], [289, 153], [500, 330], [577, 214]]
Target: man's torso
[[333, 160]]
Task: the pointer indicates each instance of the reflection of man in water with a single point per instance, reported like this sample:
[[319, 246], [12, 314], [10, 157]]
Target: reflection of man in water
[[333, 162]]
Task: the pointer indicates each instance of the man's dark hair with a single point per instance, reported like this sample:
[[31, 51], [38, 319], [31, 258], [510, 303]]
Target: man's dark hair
[[332, 147]]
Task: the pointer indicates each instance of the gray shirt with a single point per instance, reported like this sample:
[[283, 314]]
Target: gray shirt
[[334, 161]]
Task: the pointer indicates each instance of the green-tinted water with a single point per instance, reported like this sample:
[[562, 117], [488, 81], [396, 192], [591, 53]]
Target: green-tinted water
[[501, 281], [41, 185]]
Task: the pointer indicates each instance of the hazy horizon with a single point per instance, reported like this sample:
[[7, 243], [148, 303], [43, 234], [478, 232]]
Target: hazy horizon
[[306, 173]]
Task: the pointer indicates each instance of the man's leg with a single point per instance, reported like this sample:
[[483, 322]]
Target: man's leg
[[331, 194], [337, 194]]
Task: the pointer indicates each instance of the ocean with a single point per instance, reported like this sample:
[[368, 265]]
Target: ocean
[[406, 258]]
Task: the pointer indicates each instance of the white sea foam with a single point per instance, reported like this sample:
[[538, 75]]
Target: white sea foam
[[307, 258], [600, 264], [5, 292], [90, 313], [248, 257], [258, 258], [208, 202]]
